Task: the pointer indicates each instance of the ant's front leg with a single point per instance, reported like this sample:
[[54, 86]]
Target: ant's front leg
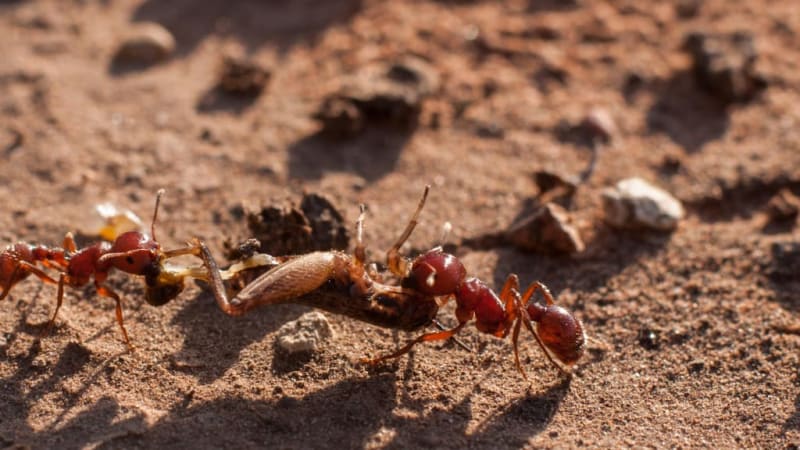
[[107, 292], [427, 337]]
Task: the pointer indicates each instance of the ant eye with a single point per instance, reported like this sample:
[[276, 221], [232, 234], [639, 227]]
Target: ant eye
[[436, 273]]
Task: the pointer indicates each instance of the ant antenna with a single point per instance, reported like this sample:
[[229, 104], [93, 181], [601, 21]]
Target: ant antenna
[[155, 214]]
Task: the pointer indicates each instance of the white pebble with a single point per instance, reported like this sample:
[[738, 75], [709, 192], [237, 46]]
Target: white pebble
[[635, 203], [306, 334]]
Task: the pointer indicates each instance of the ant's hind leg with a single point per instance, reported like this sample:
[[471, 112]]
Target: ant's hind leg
[[64, 278], [398, 265]]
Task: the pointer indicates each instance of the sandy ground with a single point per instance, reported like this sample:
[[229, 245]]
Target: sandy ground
[[695, 333]]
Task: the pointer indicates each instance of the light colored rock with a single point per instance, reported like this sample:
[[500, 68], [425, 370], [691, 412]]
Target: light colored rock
[[146, 43], [635, 203], [306, 334]]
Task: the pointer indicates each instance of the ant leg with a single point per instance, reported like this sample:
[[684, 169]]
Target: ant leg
[[510, 292], [458, 341], [398, 265], [515, 339], [62, 279], [538, 286], [427, 337], [107, 292]]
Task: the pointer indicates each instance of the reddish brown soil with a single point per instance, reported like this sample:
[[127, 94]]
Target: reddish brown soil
[[696, 334]]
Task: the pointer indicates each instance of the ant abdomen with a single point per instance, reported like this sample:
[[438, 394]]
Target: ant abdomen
[[436, 273], [559, 331]]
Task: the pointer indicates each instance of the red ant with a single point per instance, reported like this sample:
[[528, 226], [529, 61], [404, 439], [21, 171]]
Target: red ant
[[341, 283], [133, 252]]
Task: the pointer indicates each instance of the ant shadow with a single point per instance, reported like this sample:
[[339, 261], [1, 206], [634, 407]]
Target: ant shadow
[[20, 395], [687, 114], [371, 155], [348, 414], [204, 326], [252, 22]]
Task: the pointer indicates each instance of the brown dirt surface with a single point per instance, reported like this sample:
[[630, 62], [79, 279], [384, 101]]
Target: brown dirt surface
[[695, 334]]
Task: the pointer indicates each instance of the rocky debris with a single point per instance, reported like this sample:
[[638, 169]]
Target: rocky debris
[[305, 335], [783, 206], [316, 225], [145, 43], [548, 230], [242, 76], [725, 64], [553, 182], [383, 93], [635, 203]]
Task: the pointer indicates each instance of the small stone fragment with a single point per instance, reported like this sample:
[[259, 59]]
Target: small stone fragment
[[725, 64], [599, 123], [783, 207], [306, 334], [340, 117], [548, 230], [146, 43], [241, 76], [635, 203]]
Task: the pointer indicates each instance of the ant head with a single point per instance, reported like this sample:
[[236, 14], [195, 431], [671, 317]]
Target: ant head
[[436, 273], [137, 252], [162, 287], [559, 331]]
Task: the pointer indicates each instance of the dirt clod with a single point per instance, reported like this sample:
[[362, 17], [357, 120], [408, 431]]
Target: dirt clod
[[783, 206], [145, 43], [382, 93], [548, 230], [242, 76], [725, 64], [306, 334]]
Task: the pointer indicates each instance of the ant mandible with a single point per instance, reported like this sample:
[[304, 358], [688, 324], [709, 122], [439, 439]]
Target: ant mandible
[[133, 252], [341, 283]]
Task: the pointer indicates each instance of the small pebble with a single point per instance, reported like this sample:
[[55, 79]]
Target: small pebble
[[306, 334], [548, 230], [241, 76], [146, 43], [635, 203], [784, 206], [600, 124]]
